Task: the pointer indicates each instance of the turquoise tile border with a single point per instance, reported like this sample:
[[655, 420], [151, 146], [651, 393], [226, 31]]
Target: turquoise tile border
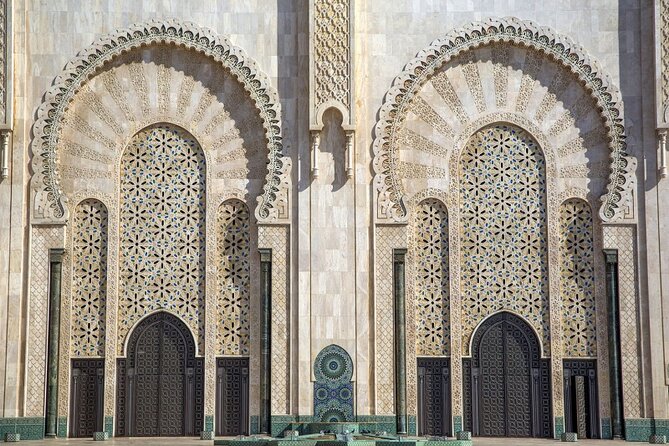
[[412, 425], [559, 426], [208, 423], [457, 424], [30, 428], [606, 429], [255, 425], [61, 429], [109, 426], [640, 429]]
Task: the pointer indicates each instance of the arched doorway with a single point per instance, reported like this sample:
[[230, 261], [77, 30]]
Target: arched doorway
[[161, 381], [510, 383]]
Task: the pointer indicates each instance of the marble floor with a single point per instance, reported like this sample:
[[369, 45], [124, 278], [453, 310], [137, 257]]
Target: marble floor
[[197, 442]]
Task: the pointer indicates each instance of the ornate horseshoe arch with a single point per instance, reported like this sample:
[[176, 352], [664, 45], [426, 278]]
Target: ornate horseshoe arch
[[50, 203], [390, 197]]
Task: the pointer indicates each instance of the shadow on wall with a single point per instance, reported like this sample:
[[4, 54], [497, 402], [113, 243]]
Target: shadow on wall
[[333, 149]]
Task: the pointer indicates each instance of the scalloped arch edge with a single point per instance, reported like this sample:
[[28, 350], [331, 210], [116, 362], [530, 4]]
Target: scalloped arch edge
[[389, 197], [49, 204]]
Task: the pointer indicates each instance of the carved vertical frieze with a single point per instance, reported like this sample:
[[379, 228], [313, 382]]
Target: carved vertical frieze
[[663, 33], [331, 53], [5, 86], [331, 68], [5, 62]]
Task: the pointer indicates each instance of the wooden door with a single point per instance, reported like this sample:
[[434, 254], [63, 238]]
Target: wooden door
[[232, 396], [434, 397], [86, 401]]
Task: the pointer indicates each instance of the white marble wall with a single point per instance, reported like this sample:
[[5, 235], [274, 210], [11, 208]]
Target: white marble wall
[[388, 34]]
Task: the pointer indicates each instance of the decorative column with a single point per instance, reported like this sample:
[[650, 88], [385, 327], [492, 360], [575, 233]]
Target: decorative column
[[662, 148], [265, 338], [400, 341], [55, 273], [350, 153], [315, 143], [611, 256], [4, 154]]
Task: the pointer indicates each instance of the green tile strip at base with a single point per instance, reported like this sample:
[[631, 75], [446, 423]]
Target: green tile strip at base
[[412, 425], [62, 427], [255, 425], [30, 428], [109, 426], [559, 426], [457, 424], [208, 423], [641, 429], [606, 429], [306, 442], [374, 423]]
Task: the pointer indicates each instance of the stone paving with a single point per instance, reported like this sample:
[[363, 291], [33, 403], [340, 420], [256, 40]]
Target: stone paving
[[196, 442]]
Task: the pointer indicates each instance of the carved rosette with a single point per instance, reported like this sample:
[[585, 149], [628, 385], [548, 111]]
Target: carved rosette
[[49, 200], [390, 194]]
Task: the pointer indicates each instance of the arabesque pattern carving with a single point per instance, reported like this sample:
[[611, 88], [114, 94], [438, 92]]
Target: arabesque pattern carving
[[664, 56], [4, 56], [162, 246], [42, 239], [503, 229], [387, 239], [89, 279], [577, 279], [50, 202], [331, 52], [433, 331], [277, 239], [233, 303], [571, 56], [623, 239]]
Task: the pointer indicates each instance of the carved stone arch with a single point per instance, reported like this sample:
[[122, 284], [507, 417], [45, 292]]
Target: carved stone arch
[[50, 202], [152, 318], [485, 324], [460, 45]]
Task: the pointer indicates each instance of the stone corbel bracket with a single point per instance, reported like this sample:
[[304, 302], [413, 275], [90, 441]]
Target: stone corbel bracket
[[390, 204], [49, 202]]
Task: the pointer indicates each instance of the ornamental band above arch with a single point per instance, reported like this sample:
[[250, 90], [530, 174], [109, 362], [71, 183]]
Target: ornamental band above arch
[[49, 202], [387, 181]]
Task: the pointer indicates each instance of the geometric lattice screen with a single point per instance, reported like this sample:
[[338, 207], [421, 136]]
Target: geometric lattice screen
[[89, 278], [433, 331], [577, 279], [503, 229], [233, 303], [162, 214]]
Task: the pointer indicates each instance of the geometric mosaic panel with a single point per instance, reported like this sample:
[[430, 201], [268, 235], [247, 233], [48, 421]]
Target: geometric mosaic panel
[[503, 229], [233, 303], [433, 331], [333, 389], [162, 216], [577, 279], [89, 278]]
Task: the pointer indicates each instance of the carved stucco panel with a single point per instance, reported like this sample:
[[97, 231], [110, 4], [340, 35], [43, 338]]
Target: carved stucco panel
[[49, 201], [390, 199]]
